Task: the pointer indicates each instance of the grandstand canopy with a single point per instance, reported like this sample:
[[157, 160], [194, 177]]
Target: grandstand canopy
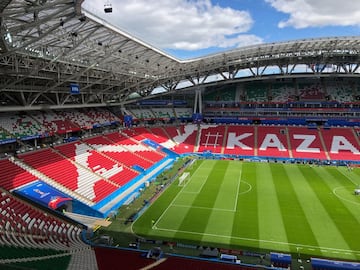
[[48, 45]]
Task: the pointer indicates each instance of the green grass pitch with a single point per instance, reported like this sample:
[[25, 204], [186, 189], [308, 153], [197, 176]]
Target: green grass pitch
[[293, 208]]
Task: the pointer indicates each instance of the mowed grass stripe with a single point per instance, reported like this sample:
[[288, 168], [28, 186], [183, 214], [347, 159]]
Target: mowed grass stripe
[[345, 193], [199, 176], [221, 222], [296, 224], [351, 175], [345, 221], [344, 180], [228, 191], [331, 233], [259, 216], [197, 217], [143, 225], [175, 213], [330, 241], [313, 210], [271, 225], [215, 177], [357, 172], [194, 184], [245, 223]]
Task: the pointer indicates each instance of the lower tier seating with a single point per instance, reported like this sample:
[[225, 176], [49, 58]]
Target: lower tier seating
[[12, 176], [70, 174], [22, 225]]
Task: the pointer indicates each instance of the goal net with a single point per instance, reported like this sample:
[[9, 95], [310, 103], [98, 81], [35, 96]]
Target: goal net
[[183, 178]]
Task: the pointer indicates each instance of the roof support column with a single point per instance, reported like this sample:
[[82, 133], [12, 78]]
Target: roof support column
[[198, 101]]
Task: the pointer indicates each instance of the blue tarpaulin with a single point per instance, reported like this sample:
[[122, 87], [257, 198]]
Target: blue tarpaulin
[[280, 258], [44, 194], [330, 264]]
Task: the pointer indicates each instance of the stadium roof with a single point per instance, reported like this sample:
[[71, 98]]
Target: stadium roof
[[46, 45]]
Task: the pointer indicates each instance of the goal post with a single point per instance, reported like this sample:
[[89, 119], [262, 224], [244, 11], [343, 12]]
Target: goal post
[[183, 178]]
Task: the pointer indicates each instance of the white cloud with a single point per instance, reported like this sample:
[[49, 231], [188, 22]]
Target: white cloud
[[180, 24], [318, 13]]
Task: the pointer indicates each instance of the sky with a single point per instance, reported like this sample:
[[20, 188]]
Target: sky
[[188, 29]]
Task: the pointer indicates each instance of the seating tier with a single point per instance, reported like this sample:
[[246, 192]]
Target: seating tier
[[272, 142], [240, 140], [118, 138], [300, 135], [13, 176], [94, 159], [211, 138], [341, 143], [101, 116], [21, 125], [159, 135], [21, 225], [185, 141], [54, 122], [69, 174]]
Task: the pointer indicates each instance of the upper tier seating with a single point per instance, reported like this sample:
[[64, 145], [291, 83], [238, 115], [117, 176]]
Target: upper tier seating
[[21, 125], [282, 92], [183, 112], [54, 122], [226, 94], [309, 91], [21, 225], [256, 93], [163, 113], [101, 116], [340, 92], [142, 114], [13, 176], [78, 117], [71, 175], [4, 135], [211, 138]]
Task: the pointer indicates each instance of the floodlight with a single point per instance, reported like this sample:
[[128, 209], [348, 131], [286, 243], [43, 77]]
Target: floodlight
[[107, 8]]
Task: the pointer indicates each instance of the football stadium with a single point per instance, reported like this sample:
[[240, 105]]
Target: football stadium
[[117, 155]]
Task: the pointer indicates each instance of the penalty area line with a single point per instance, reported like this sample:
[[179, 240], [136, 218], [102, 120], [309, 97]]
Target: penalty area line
[[173, 200]]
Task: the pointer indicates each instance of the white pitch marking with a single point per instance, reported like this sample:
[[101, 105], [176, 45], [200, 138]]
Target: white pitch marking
[[322, 249], [341, 198], [205, 208], [237, 192], [177, 195]]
